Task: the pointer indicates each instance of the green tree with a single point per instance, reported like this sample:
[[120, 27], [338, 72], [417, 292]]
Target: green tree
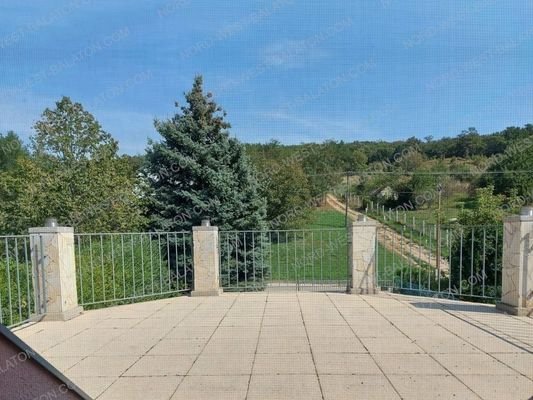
[[87, 184], [509, 168], [11, 149], [476, 246], [288, 196], [469, 143], [198, 171]]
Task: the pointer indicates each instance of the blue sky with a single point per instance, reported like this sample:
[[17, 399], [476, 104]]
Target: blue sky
[[292, 70]]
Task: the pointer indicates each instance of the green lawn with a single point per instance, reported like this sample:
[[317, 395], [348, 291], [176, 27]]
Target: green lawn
[[320, 253]]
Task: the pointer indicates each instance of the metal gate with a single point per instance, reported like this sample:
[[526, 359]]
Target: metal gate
[[304, 259]]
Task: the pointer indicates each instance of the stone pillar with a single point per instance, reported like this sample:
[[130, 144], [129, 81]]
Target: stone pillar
[[362, 256], [54, 271], [206, 261], [517, 264]]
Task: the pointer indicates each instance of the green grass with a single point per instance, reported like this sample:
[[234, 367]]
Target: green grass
[[117, 269], [330, 262]]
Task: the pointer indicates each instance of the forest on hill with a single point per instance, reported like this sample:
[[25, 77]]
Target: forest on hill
[[71, 169]]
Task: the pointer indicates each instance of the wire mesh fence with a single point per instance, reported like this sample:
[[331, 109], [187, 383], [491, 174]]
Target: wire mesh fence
[[18, 300], [292, 259], [113, 268]]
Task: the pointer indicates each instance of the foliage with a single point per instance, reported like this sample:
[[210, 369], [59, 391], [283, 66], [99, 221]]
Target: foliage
[[288, 196], [11, 149], [476, 246], [73, 174], [198, 171]]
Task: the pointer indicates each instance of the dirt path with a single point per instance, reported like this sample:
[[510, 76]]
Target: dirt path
[[392, 240]]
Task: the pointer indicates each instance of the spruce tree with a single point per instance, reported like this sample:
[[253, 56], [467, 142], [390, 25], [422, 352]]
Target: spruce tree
[[198, 171]]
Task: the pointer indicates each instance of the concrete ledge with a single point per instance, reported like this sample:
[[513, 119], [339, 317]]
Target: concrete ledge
[[63, 316], [518, 311], [202, 293]]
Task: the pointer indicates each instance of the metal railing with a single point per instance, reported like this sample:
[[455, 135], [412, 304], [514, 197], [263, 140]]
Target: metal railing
[[113, 268], [19, 302], [453, 261], [293, 259]]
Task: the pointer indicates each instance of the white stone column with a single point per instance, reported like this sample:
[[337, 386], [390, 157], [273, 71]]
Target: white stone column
[[206, 261], [517, 264], [362, 257], [54, 271]]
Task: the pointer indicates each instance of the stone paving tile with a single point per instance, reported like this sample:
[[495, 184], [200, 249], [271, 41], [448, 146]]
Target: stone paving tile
[[161, 365], [63, 363], [212, 387], [397, 345], [281, 320], [322, 344], [284, 387], [241, 322], [349, 387], [473, 364], [345, 363], [177, 347], [102, 366], [280, 364], [445, 345], [83, 344], [423, 387], [120, 323], [134, 345], [232, 332], [385, 330], [283, 345], [142, 388], [222, 343], [315, 331], [223, 364], [93, 386], [522, 362], [409, 364], [164, 324], [494, 344], [191, 332], [498, 387], [227, 345]]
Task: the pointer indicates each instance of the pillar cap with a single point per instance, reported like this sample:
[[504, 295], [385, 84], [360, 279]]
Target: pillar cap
[[51, 229], [526, 211], [205, 228], [367, 222]]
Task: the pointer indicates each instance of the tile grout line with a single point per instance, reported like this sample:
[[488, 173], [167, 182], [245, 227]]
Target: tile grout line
[[420, 347], [471, 323], [205, 345], [364, 346], [256, 347], [139, 358], [473, 344], [310, 347], [116, 337]]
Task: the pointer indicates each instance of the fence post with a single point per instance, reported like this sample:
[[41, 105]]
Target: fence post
[[362, 256], [54, 271], [517, 264], [206, 260]]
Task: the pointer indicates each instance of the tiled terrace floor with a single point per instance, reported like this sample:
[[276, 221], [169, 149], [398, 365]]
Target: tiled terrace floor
[[293, 346]]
